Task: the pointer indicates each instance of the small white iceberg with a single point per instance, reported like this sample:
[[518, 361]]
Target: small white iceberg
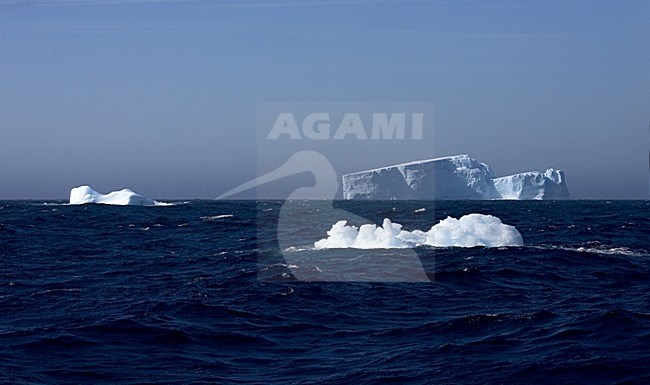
[[84, 194], [469, 231]]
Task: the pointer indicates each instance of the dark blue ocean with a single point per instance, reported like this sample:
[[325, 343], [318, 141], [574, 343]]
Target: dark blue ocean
[[209, 292]]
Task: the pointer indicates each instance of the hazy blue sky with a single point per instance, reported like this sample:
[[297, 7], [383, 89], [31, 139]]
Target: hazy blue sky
[[163, 96]]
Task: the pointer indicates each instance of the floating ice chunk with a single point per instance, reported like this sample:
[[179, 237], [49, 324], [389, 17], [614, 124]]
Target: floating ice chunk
[[468, 231], [366, 237], [84, 194], [473, 230]]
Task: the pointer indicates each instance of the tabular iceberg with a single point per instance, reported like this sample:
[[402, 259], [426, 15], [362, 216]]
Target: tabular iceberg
[[533, 185], [452, 177], [84, 194]]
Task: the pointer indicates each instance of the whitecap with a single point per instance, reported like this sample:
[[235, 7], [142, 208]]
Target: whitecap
[[213, 217], [292, 249], [609, 251], [602, 250]]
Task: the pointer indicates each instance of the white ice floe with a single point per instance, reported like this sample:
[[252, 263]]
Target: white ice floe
[[84, 194], [468, 231]]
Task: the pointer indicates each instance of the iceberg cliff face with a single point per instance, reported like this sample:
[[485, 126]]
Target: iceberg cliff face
[[533, 185], [84, 194], [453, 177]]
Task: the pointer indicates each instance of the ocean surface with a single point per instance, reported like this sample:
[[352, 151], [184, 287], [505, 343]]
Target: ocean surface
[[233, 292]]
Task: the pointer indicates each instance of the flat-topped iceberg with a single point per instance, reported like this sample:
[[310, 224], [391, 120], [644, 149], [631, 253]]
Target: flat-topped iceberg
[[453, 177], [84, 194], [533, 185]]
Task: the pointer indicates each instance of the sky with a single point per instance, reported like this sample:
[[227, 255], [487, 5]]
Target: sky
[[173, 98]]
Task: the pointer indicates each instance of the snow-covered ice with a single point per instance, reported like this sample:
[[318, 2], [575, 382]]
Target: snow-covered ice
[[533, 185], [468, 231], [84, 194], [452, 177]]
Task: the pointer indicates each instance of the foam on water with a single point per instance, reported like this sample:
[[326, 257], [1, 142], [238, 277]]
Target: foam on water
[[468, 231], [602, 250], [213, 217]]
